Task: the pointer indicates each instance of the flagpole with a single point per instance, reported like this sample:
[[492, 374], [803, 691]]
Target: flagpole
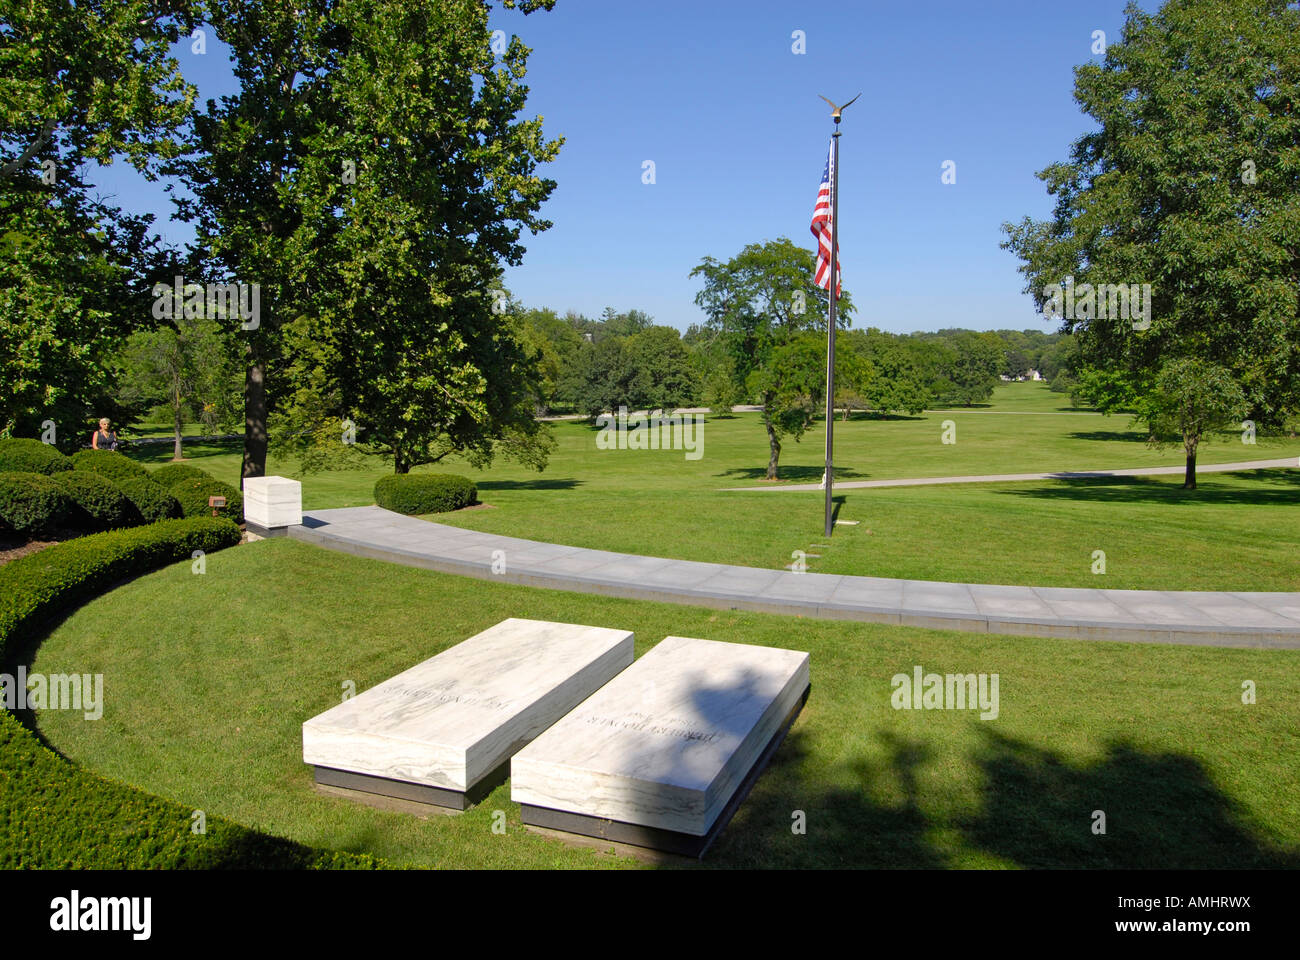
[[830, 331]]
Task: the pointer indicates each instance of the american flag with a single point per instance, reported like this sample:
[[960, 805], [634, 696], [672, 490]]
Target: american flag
[[821, 229]]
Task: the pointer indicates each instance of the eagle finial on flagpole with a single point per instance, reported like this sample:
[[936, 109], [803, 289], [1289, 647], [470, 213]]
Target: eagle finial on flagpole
[[835, 111]]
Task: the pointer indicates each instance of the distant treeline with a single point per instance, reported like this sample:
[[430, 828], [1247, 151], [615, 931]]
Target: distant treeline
[[588, 366]]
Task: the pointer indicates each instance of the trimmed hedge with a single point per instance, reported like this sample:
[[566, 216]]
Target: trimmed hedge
[[170, 473], [414, 493], [152, 500], [193, 496], [98, 503], [108, 463], [56, 815], [32, 504], [31, 456]]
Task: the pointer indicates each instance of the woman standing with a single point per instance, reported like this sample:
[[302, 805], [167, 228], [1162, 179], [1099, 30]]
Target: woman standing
[[104, 438]]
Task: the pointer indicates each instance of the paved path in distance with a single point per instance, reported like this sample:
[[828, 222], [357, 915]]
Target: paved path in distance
[[1269, 620], [1012, 477]]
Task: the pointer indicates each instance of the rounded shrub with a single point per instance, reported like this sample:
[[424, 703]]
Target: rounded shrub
[[32, 504], [193, 496], [31, 456], [97, 502], [152, 500], [170, 473], [108, 463], [414, 493]]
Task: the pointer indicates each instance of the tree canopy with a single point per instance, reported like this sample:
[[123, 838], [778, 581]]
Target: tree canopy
[[1191, 187]]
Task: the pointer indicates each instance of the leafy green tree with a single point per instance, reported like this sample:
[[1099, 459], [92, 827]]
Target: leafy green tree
[[854, 372], [79, 85], [1190, 399], [758, 305], [899, 381], [603, 377], [1109, 391], [1189, 184], [1014, 363], [186, 367], [555, 345], [616, 324], [371, 176], [90, 81], [719, 389], [661, 376], [977, 359], [792, 383], [1059, 354]]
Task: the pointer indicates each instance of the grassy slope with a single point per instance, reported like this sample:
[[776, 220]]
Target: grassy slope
[[1237, 532], [208, 679]]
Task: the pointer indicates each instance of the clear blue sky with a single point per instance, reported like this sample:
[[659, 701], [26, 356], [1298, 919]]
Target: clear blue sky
[[713, 94]]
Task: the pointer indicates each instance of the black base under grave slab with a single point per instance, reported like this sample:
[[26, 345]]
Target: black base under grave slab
[[414, 792]]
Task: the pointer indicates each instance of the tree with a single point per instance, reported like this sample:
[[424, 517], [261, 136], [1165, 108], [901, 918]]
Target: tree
[[758, 304], [79, 84], [90, 81], [186, 367], [660, 368], [555, 344], [1185, 200], [1191, 398], [899, 382], [854, 372], [602, 377], [792, 383], [616, 324], [973, 369], [1015, 364], [714, 371], [372, 177]]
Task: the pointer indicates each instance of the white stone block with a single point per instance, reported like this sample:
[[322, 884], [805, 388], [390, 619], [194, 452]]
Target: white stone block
[[272, 501], [450, 721], [668, 742]]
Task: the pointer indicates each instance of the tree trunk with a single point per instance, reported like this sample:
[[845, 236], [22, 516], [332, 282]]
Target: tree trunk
[[775, 446], [177, 426], [255, 441], [845, 418], [1189, 477]]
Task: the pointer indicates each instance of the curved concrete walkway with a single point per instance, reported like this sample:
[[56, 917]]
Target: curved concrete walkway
[[1014, 477], [1210, 619]]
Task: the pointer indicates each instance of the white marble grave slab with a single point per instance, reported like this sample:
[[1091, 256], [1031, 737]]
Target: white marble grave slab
[[667, 742], [272, 501], [456, 717]]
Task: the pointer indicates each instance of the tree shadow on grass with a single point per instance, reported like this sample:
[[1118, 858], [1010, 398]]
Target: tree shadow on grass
[[1284, 489], [1110, 436], [190, 449], [793, 474], [875, 415], [1162, 809], [845, 828], [549, 483]]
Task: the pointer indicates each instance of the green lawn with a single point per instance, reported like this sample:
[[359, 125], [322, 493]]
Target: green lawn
[[209, 678], [1238, 531], [1030, 397]]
